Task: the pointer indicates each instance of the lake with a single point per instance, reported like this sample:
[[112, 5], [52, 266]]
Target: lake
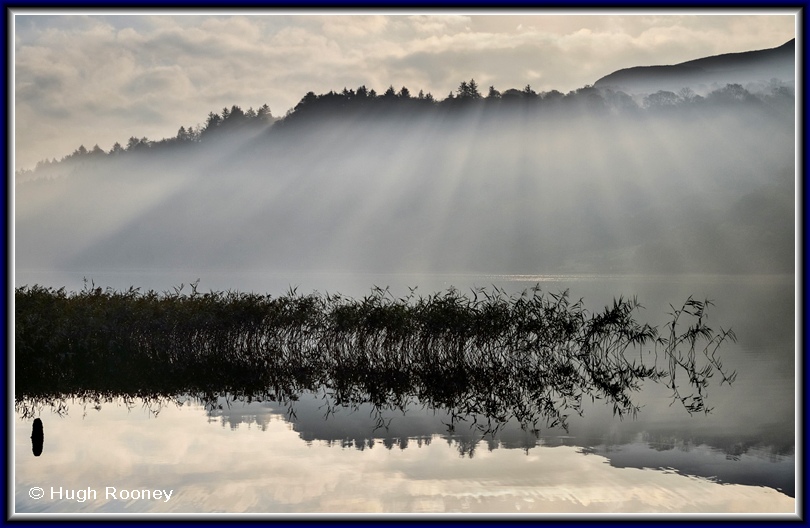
[[312, 455]]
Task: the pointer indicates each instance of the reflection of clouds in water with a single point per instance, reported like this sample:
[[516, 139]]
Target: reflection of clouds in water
[[214, 468]]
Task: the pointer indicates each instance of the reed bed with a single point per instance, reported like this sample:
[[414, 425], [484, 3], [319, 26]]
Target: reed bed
[[531, 357]]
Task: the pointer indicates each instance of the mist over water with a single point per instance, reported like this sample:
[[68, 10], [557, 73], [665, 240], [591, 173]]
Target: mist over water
[[472, 191]]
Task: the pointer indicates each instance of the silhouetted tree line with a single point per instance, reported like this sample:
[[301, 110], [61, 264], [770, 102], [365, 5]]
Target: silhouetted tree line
[[365, 102], [469, 96], [217, 124]]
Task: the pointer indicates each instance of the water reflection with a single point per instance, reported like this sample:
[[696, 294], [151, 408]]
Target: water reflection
[[318, 418], [250, 457], [745, 460], [234, 454]]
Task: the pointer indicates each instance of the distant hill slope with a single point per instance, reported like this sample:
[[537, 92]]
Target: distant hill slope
[[708, 73]]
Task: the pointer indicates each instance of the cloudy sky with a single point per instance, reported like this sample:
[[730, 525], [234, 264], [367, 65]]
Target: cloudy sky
[[96, 78]]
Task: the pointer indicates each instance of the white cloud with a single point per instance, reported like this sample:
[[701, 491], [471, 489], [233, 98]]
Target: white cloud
[[424, 24], [354, 26]]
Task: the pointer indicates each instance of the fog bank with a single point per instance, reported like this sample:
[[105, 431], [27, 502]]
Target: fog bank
[[709, 191]]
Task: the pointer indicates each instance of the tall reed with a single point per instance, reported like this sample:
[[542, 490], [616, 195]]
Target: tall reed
[[531, 357]]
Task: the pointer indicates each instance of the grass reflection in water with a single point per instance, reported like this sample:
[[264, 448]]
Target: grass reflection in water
[[531, 357]]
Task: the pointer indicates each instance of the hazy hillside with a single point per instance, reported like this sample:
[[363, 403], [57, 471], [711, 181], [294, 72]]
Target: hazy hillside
[[500, 182], [577, 184], [753, 70]]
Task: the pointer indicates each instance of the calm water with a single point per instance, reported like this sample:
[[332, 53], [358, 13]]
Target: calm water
[[311, 456]]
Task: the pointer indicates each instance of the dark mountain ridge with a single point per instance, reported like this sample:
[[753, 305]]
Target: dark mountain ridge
[[708, 73]]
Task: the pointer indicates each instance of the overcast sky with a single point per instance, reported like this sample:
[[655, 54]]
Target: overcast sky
[[86, 78]]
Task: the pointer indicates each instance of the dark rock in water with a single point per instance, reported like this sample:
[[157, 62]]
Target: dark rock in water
[[37, 437]]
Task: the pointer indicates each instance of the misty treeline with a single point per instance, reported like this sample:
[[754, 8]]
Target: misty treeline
[[592, 181], [350, 103], [229, 120]]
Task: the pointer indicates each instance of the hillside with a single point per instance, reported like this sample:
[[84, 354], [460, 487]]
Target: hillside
[[520, 182], [750, 69], [515, 189]]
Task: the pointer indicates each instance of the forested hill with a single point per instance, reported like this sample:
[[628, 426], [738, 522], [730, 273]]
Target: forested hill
[[752, 69], [363, 103], [481, 181]]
